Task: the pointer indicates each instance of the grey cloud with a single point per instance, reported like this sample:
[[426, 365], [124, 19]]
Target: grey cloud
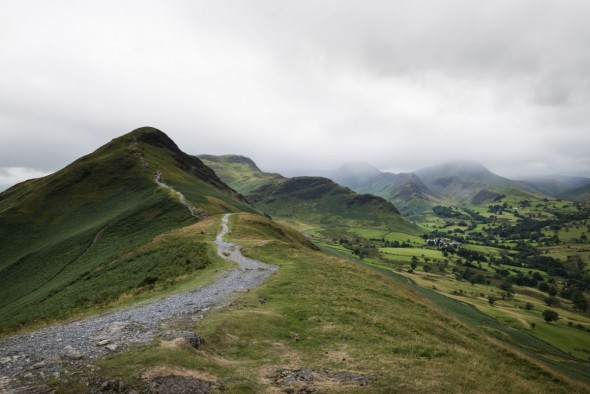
[[301, 85]]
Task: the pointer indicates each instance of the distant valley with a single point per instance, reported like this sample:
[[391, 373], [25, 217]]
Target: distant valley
[[459, 182]]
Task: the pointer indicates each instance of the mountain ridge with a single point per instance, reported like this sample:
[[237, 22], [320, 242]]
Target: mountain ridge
[[558, 186], [405, 190], [71, 223], [239, 172], [311, 199]]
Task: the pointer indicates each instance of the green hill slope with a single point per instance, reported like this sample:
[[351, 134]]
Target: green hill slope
[[323, 324], [321, 201], [239, 172], [411, 196], [75, 226]]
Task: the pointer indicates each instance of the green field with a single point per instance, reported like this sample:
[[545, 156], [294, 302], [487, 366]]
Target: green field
[[511, 312], [368, 233], [406, 254], [488, 250]]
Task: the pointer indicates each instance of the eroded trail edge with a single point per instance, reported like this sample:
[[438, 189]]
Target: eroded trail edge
[[61, 349]]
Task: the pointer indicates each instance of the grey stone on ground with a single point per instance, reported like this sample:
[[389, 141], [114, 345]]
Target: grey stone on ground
[[180, 385], [306, 377], [41, 389], [71, 353], [351, 377], [112, 386], [288, 376], [188, 336]]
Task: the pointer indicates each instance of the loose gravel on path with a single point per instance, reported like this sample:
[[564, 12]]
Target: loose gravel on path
[[55, 349]]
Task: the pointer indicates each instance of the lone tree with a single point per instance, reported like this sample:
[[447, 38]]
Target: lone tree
[[579, 300], [550, 315], [552, 301], [491, 299]]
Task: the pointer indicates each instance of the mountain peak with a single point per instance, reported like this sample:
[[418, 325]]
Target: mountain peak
[[464, 180], [354, 174], [358, 168], [153, 136], [464, 166], [461, 168]]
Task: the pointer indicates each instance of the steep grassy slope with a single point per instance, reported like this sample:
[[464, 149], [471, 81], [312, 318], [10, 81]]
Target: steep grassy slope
[[342, 324], [78, 223], [240, 172], [411, 196]]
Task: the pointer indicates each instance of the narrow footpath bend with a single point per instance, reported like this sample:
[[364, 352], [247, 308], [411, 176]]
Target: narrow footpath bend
[[53, 350]]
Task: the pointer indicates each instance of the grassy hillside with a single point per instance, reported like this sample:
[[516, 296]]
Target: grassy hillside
[[240, 172], [499, 325], [87, 221], [323, 324], [407, 192], [322, 202]]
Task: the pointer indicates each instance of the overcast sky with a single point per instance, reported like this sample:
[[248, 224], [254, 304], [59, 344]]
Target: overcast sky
[[300, 86]]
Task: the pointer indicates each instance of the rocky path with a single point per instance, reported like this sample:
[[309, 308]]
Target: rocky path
[[196, 212], [62, 348]]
